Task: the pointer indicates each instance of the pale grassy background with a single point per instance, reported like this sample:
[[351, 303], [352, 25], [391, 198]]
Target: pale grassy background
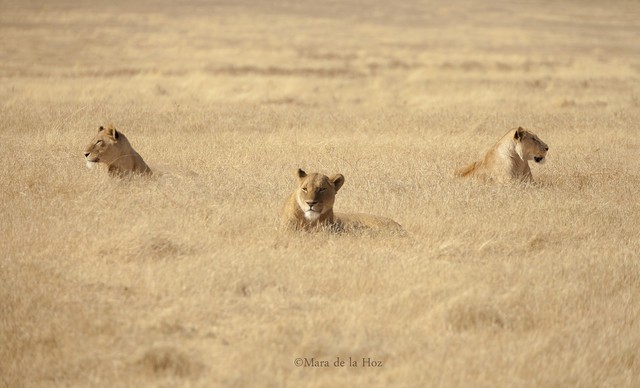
[[183, 279]]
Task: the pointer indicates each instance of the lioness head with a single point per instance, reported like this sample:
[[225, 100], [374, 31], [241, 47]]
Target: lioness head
[[102, 146], [316, 193], [529, 146]]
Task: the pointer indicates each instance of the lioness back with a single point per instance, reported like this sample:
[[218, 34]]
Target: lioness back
[[364, 222], [112, 148], [467, 170]]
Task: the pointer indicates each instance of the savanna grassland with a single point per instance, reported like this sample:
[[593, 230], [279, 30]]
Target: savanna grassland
[[184, 278]]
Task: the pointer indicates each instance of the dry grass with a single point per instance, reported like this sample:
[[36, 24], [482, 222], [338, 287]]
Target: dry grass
[[183, 279]]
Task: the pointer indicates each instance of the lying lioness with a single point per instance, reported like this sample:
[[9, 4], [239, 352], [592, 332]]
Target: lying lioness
[[509, 158], [310, 207], [113, 149]]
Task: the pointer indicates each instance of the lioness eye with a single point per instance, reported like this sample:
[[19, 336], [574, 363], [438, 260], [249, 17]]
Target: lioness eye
[[99, 142], [304, 189], [322, 189]]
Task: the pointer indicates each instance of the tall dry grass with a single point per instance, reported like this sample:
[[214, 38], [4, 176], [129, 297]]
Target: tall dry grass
[[183, 278]]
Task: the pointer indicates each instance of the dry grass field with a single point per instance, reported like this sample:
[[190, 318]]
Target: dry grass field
[[183, 279]]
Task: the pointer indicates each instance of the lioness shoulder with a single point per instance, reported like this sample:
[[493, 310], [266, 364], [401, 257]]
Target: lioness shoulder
[[112, 148], [310, 206], [509, 158]]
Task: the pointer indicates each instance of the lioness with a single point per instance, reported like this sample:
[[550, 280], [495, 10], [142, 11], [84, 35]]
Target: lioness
[[509, 158], [310, 207], [113, 149]]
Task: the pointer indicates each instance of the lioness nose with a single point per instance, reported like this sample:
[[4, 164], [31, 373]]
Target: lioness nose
[[546, 148], [86, 154], [312, 203]]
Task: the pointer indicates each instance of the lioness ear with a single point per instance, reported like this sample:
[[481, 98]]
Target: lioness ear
[[301, 174], [112, 132], [519, 133], [338, 181]]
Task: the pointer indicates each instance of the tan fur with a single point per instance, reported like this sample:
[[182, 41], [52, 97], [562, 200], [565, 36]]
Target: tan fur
[[310, 207], [112, 148], [509, 158]]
